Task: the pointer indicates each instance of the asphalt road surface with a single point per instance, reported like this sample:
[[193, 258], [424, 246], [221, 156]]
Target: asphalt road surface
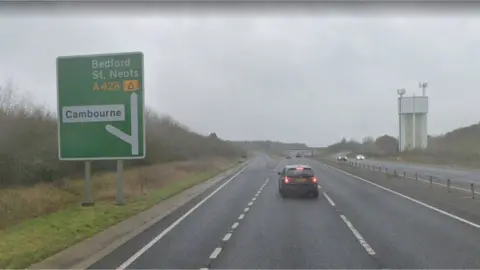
[[245, 224], [459, 177]]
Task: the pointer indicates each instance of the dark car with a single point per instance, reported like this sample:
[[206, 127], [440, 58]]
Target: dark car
[[297, 179], [342, 158], [299, 155]]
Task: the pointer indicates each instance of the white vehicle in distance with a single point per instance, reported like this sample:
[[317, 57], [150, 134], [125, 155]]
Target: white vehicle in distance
[[360, 157]]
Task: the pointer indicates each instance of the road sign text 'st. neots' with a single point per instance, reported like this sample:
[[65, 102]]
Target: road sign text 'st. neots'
[[100, 106]]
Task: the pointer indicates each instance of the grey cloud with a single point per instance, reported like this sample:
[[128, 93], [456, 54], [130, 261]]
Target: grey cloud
[[261, 78]]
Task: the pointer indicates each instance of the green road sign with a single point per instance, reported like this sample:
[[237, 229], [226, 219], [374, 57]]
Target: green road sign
[[100, 107]]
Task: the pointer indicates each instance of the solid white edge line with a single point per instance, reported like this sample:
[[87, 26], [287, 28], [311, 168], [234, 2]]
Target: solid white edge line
[[215, 253], [408, 198], [174, 224], [227, 237], [241, 216], [235, 225], [328, 199], [359, 237]]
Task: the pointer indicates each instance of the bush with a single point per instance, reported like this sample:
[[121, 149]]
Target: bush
[[29, 149]]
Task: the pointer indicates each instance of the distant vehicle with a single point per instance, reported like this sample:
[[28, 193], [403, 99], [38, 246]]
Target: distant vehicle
[[289, 157], [342, 158], [360, 157], [298, 179], [244, 156], [299, 155]]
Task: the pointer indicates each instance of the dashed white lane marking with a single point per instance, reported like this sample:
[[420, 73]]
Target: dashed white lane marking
[[328, 199], [319, 186], [359, 237], [227, 236], [408, 198], [215, 253], [203, 268], [174, 224]]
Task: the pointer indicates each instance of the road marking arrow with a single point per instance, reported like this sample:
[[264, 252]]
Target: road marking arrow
[[133, 138]]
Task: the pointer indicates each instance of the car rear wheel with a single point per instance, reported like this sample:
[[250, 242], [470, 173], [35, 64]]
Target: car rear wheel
[[315, 194], [282, 193]]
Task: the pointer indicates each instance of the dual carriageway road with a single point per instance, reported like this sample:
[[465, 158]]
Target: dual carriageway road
[[243, 223]]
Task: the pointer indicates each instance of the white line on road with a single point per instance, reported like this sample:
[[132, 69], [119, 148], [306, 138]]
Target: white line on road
[[319, 186], [241, 216], [359, 237], [174, 224], [215, 253], [227, 237], [328, 199], [235, 225], [253, 199], [250, 203], [246, 209], [408, 198]]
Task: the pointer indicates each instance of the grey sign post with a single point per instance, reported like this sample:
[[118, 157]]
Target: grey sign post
[[100, 111]]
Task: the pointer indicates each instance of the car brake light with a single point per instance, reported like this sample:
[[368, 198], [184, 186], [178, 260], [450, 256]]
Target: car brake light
[[299, 168], [314, 180], [286, 180]]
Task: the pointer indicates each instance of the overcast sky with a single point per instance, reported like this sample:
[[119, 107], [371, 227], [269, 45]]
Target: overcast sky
[[311, 80]]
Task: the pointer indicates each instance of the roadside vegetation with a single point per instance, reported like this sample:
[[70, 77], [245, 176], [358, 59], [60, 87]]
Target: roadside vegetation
[[40, 196], [459, 148], [273, 148]]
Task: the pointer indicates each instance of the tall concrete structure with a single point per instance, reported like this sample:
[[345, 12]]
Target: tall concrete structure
[[412, 112]]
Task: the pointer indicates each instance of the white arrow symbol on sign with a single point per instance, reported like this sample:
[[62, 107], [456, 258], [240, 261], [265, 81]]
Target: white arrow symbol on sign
[[130, 139]]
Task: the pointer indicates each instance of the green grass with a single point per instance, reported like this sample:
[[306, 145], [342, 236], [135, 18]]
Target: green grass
[[36, 239]]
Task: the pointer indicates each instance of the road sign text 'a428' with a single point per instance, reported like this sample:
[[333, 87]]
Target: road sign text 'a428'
[[101, 106]]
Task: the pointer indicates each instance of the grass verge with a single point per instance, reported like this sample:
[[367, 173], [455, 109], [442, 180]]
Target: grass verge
[[35, 239]]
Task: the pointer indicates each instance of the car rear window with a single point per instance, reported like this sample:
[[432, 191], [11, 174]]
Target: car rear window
[[305, 172]]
